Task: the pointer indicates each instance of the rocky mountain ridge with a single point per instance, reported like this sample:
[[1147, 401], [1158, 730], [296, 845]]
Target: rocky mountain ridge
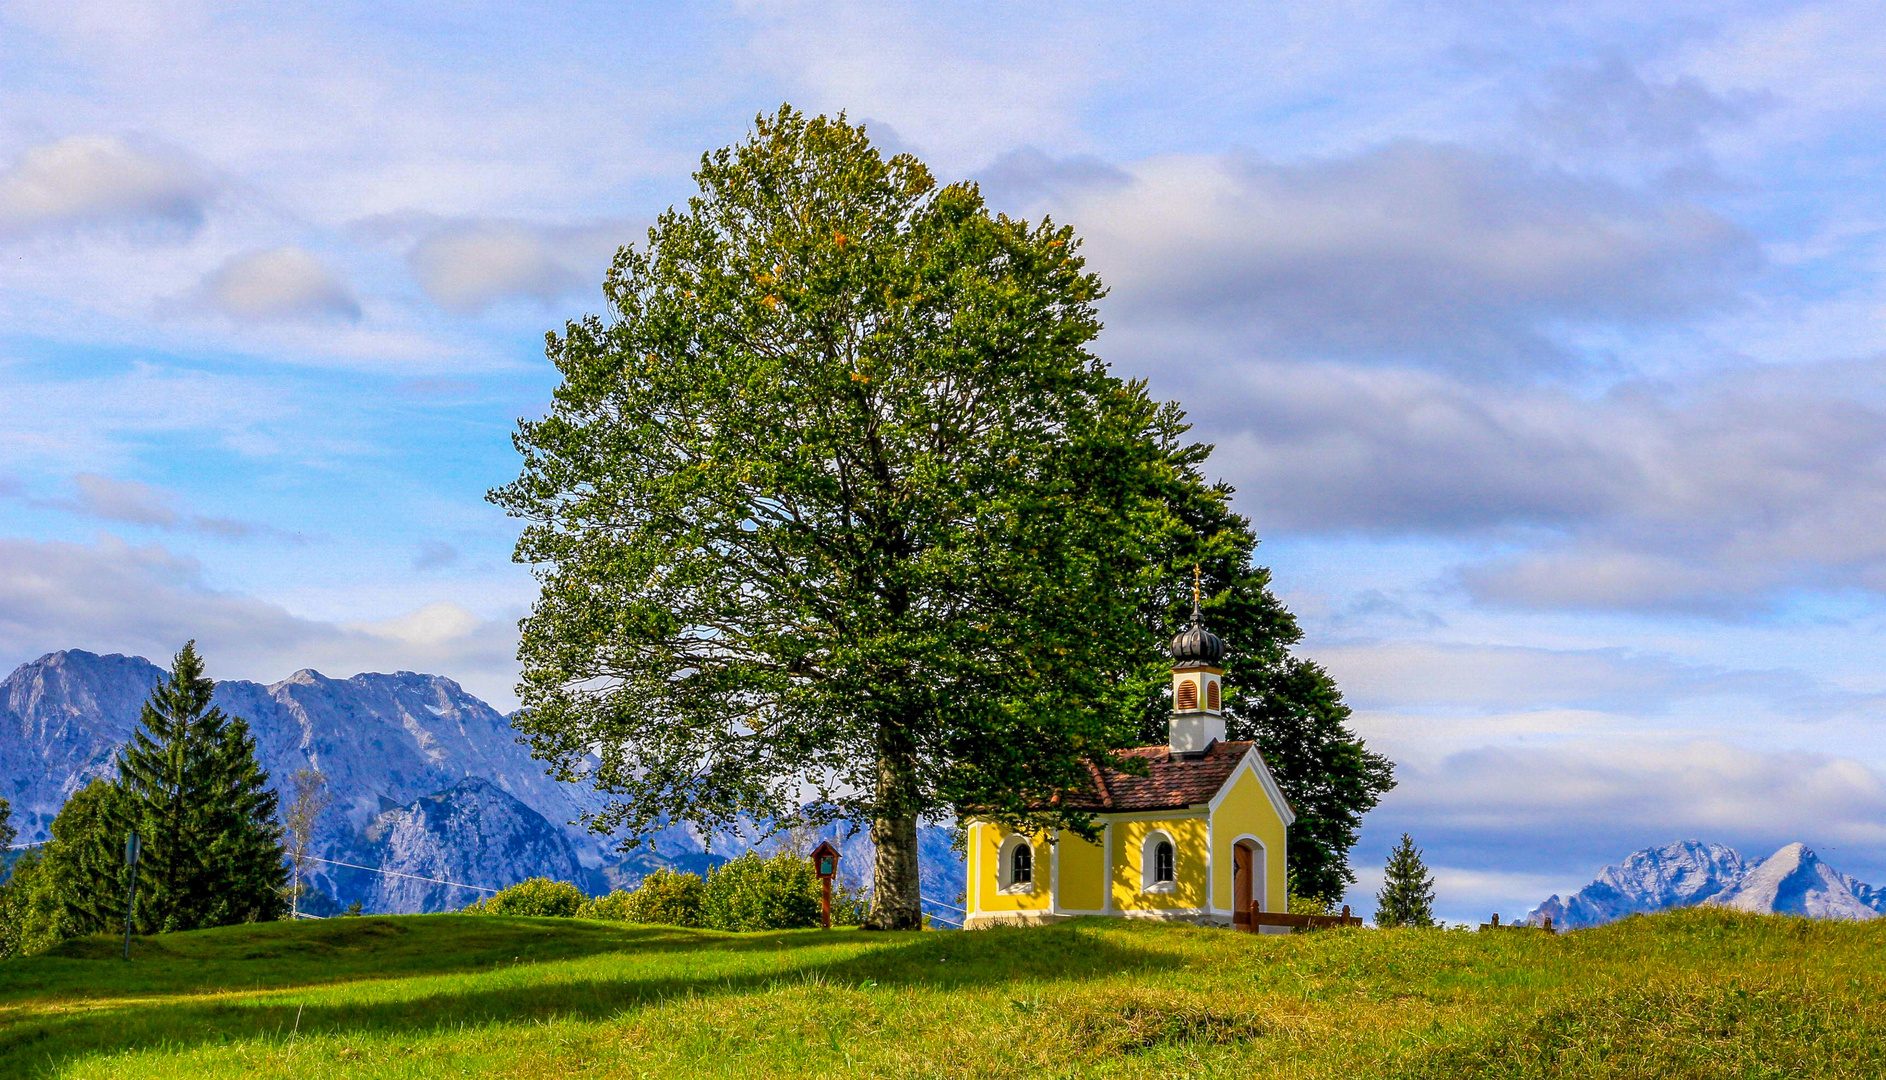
[[428, 782], [1792, 881]]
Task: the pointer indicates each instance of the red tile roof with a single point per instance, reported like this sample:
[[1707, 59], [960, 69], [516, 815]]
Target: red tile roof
[[1173, 781]]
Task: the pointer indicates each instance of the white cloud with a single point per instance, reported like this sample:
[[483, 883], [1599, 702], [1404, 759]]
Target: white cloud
[[95, 422], [132, 503], [1421, 253], [123, 500], [1612, 107], [467, 266], [278, 284], [1720, 497], [116, 597], [433, 625], [1533, 809], [1411, 675], [101, 180], [953, 82]]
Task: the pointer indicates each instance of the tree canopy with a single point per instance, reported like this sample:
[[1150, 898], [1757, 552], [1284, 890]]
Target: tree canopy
[[835, 515]]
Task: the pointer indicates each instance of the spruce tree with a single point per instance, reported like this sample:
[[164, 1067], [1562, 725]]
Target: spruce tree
[[212, 852], [1407, 896], [1289, 706], [7, 832]]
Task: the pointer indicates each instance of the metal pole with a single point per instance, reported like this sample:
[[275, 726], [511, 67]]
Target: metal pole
[[131, 849]]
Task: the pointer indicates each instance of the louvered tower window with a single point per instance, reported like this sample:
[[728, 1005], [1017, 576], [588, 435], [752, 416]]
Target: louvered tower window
[[1188, 695]]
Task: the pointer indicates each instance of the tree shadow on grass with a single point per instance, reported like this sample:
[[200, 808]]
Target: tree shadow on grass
[[45, 1042], [280, 955]]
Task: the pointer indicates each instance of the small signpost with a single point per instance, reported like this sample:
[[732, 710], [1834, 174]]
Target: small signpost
[[825, 865], [131, 849]]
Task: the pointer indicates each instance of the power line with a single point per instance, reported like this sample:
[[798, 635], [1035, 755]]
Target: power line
[[395, 873]]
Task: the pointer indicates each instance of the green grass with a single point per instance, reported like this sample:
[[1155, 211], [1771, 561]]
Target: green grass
[[1690, 994]]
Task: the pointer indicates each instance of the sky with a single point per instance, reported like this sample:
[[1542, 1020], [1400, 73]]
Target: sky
[[1544, 343]]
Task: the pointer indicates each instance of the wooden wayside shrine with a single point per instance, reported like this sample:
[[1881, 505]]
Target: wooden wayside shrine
[[1257, 919]]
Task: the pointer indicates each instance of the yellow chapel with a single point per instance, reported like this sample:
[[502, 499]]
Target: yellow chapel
[[1201, 838]]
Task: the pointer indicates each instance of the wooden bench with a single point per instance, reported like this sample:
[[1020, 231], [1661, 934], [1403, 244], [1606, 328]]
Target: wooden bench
[[1299, 922]]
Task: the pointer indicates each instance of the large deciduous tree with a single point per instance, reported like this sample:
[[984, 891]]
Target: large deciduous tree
[[836, 503]]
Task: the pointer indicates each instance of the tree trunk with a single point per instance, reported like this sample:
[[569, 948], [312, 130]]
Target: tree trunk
[[896, 900], [896, 889]]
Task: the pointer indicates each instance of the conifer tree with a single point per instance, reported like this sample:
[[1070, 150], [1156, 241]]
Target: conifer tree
[[80, 880], [212, 849], [19, 928], [7, 832], [1407, 896], [1289, 706]]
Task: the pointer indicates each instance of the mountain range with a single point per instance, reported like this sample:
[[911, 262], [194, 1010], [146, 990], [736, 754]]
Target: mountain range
[[432, 789], [1792, 881]]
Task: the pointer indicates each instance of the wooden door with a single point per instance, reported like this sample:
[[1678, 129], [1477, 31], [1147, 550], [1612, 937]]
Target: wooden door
[[1241, 885]]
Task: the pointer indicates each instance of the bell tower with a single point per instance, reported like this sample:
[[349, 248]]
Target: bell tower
[[1198, 718]]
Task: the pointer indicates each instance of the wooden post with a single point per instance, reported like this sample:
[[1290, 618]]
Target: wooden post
[[825, 865], [131, 849]]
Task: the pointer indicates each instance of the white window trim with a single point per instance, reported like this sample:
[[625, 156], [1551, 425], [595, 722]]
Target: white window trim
[[1005, 866], [1146, 864]]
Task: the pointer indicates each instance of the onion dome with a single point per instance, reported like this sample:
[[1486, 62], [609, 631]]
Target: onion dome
[[1197, 645]]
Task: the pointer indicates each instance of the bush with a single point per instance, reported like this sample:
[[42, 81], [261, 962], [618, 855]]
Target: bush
[[751, 893], [28, 913], [534, 896], [1310, 905], [668, 899], [850, 905], [613, 907]]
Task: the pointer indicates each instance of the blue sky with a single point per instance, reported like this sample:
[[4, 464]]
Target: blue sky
[[1545, 344]]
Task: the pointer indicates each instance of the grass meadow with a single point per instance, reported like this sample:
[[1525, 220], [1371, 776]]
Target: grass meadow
[[1698, 993]]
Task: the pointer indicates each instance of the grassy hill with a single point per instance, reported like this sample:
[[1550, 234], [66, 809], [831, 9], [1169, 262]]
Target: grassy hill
[[1690, 994]]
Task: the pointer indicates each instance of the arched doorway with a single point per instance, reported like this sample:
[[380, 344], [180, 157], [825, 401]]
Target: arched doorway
[[1247, 881]]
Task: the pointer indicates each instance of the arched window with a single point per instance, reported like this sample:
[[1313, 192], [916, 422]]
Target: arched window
[[1158, 862], [1211, 695], [1015, 865], [1188, 694], [1021, 865]]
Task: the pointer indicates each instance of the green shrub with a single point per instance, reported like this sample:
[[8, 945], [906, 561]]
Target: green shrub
[[1310, 905], [850, 905], [751, 893], [613, 907], [668, 899], [664, 897], [533, 896]]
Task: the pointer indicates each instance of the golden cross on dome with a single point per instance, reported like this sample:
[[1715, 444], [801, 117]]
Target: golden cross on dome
[[1194, 590]]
